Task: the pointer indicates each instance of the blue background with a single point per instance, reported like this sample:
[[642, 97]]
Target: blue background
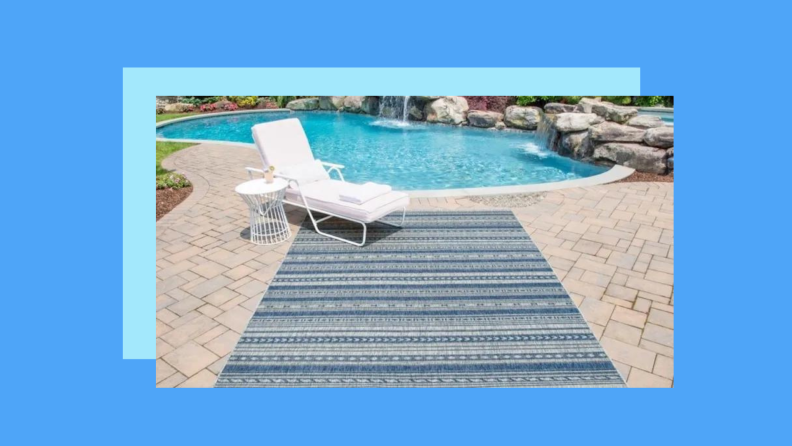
[[64, 379]]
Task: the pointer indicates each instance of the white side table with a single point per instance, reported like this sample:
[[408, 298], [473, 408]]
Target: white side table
[[268, 223]]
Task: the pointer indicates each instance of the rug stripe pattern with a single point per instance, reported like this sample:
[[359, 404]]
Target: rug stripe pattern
[[452, 299]]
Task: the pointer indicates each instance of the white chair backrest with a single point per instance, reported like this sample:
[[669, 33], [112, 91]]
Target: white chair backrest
[[282, 143]]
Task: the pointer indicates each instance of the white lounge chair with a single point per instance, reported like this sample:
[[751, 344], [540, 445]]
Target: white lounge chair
[[283, 144]]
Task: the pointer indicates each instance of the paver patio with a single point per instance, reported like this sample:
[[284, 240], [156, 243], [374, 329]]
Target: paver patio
[[612, 246]]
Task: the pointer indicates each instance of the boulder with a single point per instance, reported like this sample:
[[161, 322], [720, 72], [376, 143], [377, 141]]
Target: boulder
[[486, 119], [615, 113], [331, 102], [612, 132], [570, 144], [671, 163], [638, 156], [178, 107], [353, 104], [585, 104], [424, 99], [371, 105], [646, 122], [447, 110], [224, 104], [167, 100], [526, 118], [361, 104], [554, 107], [303, 104], [575, 122], [265, 102], [585, 149], [500, 125], [662, 137], [415, 113]]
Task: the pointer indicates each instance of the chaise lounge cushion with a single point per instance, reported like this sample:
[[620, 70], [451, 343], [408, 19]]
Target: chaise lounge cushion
[[324, 196], [282, 143], [306, 172]]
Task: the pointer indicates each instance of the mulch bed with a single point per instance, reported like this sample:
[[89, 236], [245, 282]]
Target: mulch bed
[[639, 177], [167, 199]]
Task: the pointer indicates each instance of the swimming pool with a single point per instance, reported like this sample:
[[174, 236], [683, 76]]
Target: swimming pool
[[414, 156]]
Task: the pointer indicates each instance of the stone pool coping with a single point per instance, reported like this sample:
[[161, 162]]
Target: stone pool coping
[[615, 173], [208, 115]]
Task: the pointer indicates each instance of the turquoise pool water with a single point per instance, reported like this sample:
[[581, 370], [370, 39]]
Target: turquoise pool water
[[408, 157], [666, 116]]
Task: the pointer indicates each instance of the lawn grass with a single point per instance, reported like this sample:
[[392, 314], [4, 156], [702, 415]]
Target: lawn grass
[[167, 116], [166, 148]]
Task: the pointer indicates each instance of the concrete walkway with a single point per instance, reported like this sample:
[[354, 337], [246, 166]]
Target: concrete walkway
[[612, 246]]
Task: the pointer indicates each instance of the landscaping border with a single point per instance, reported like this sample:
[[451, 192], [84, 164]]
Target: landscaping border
[[200, 188]]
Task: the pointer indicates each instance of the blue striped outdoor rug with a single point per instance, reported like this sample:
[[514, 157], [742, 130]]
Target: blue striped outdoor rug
[[453, 299]]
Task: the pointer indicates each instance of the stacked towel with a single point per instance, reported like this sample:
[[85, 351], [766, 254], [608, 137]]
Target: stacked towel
[[361, 193]]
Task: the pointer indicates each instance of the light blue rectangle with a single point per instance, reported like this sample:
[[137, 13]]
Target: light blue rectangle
[[142, 85]]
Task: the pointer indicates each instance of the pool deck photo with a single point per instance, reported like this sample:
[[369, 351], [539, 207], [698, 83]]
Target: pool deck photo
[[611, 244]]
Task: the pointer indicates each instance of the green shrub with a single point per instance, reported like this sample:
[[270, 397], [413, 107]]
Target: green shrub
[[539, 100], [283, 100], [192, 100], [244, 101], [618, 100], [571, 99], [647, 101], [525, 100], [172, 180]]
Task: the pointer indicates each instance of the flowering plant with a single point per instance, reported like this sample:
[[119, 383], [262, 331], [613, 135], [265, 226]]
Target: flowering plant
[[172, 181], [208, 107], [230, 106], [244, 101]]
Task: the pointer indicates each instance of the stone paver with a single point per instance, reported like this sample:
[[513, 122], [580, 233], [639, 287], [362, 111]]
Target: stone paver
[[612, 246]]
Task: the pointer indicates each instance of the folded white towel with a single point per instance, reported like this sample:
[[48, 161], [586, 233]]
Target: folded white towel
[[361, 193]]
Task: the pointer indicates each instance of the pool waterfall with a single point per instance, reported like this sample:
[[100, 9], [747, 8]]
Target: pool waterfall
[[545, 134], [394, 107]]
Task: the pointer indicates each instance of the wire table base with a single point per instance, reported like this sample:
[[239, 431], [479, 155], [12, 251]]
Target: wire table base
[[268, 222]]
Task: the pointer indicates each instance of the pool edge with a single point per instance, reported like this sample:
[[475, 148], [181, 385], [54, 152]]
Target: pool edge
[[611, 175], [210, 115]]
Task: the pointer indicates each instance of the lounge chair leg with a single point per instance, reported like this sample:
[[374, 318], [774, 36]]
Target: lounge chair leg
[[401, 224], [319, 231], [363, 242]]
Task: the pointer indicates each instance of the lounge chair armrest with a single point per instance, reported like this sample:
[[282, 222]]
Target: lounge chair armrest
[[332, 167], [250, 171], [337, 166], [290, 180], [294, 183]]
